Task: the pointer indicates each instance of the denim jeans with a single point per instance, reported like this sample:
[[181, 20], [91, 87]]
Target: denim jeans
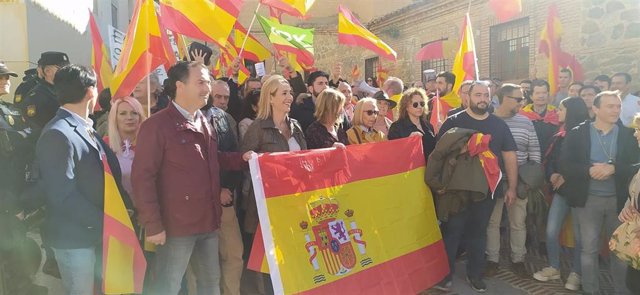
[[173, 257], [77, 269], [472, 224], [557, 214], [597, 213]]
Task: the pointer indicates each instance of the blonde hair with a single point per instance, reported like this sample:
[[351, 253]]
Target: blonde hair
[[357, 112], [405, 101], [328, 105], [269, 89], [115, 141]]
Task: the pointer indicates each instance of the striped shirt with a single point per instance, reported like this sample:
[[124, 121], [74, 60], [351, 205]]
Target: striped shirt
[[526, 139]]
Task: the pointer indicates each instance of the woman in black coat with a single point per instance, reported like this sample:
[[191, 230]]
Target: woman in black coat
[[413, 120]]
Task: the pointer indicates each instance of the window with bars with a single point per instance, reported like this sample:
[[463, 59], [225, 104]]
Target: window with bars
[[370, 67], [509, 49], [439, 65]]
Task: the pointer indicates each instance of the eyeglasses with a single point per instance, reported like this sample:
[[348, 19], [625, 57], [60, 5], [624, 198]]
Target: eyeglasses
[[518, 99], [371, 112], [416, 104]]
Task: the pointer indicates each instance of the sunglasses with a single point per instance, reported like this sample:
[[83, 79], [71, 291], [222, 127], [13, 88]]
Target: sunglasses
[[416, 104], [371, 112], [517, 99]]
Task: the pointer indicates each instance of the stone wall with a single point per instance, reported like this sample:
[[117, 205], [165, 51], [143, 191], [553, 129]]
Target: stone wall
[[603, 34]]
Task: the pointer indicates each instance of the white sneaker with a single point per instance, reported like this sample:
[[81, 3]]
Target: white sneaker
[[546, 274], [573, 282]]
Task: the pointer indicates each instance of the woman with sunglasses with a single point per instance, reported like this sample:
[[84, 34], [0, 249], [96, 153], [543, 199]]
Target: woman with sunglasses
[[364, 118], [412, 120]]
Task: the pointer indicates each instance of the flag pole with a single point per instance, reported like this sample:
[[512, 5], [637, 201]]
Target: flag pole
[[475, 55], [244, 42]]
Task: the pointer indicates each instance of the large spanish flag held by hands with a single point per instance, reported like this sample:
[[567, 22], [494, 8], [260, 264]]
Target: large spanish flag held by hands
[[99, 56], [124, 265], [336, 221], [352, 32], [464, 64], [290, 39], [145, 48], [205, 20], [297, 8]]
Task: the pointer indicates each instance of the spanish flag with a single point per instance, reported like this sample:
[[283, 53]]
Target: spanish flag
[[331, 225], [145, 48], [550, 46], [205, 20], [99, 56], [124, 265], [442, 106], [478, 145], [297, 8], [464, 64], [228, 54], [352, 32], [253, 49]]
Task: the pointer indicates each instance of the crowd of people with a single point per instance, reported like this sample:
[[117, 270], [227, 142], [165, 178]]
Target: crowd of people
[[178, 150]]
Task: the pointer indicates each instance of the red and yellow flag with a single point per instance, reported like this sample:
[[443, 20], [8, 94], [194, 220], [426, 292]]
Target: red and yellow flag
[[183, 50], [506, 9], [478, 145], [205, 20], [352, 32], [442, 106], [124, 265], [297, 8], [550, 46], [464, 64], [145, 48], [329, 226], [99, 56], [253, 49]]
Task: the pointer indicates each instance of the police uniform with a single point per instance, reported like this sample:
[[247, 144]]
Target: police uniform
[[19, 255], [29, 81], [40, 104]]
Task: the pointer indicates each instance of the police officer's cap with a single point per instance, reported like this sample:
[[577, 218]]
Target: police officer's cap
[[53, 58], [5, 71]]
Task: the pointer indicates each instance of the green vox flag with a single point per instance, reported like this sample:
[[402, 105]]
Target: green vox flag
[[290, 39]]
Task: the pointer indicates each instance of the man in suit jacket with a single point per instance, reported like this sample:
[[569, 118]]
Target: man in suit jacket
[[72, 175]]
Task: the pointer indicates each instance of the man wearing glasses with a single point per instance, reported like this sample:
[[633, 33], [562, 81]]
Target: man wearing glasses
[[511, 100], [40, 104]]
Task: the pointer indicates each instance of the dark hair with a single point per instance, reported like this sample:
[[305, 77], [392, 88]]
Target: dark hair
[[246, 84], [178, 72], [539, 83], [525, 81], [594, 88], [604, 78], [626, 76], [104, 99], [315, 75], [478, 82], [249, 101], [72, 82], [577, 112], [506, 89], [566, 70], [598, 99], [449, 77]]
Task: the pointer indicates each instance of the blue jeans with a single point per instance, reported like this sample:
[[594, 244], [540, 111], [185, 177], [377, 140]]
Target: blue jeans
[[77, 269], [557, 214], [597, 213], [173, 257], [472, 225]]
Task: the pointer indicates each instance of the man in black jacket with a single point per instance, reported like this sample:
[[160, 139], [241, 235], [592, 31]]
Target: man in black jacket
[[597, 163]]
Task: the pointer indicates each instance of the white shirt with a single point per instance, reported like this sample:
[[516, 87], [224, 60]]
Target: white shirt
[[630, 107], [190, 117]]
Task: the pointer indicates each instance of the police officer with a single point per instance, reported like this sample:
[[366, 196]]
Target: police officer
[[40, 104], [29, 81], [19, 255]]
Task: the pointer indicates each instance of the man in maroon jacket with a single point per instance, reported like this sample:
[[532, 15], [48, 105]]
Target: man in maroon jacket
[[176, 183]]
